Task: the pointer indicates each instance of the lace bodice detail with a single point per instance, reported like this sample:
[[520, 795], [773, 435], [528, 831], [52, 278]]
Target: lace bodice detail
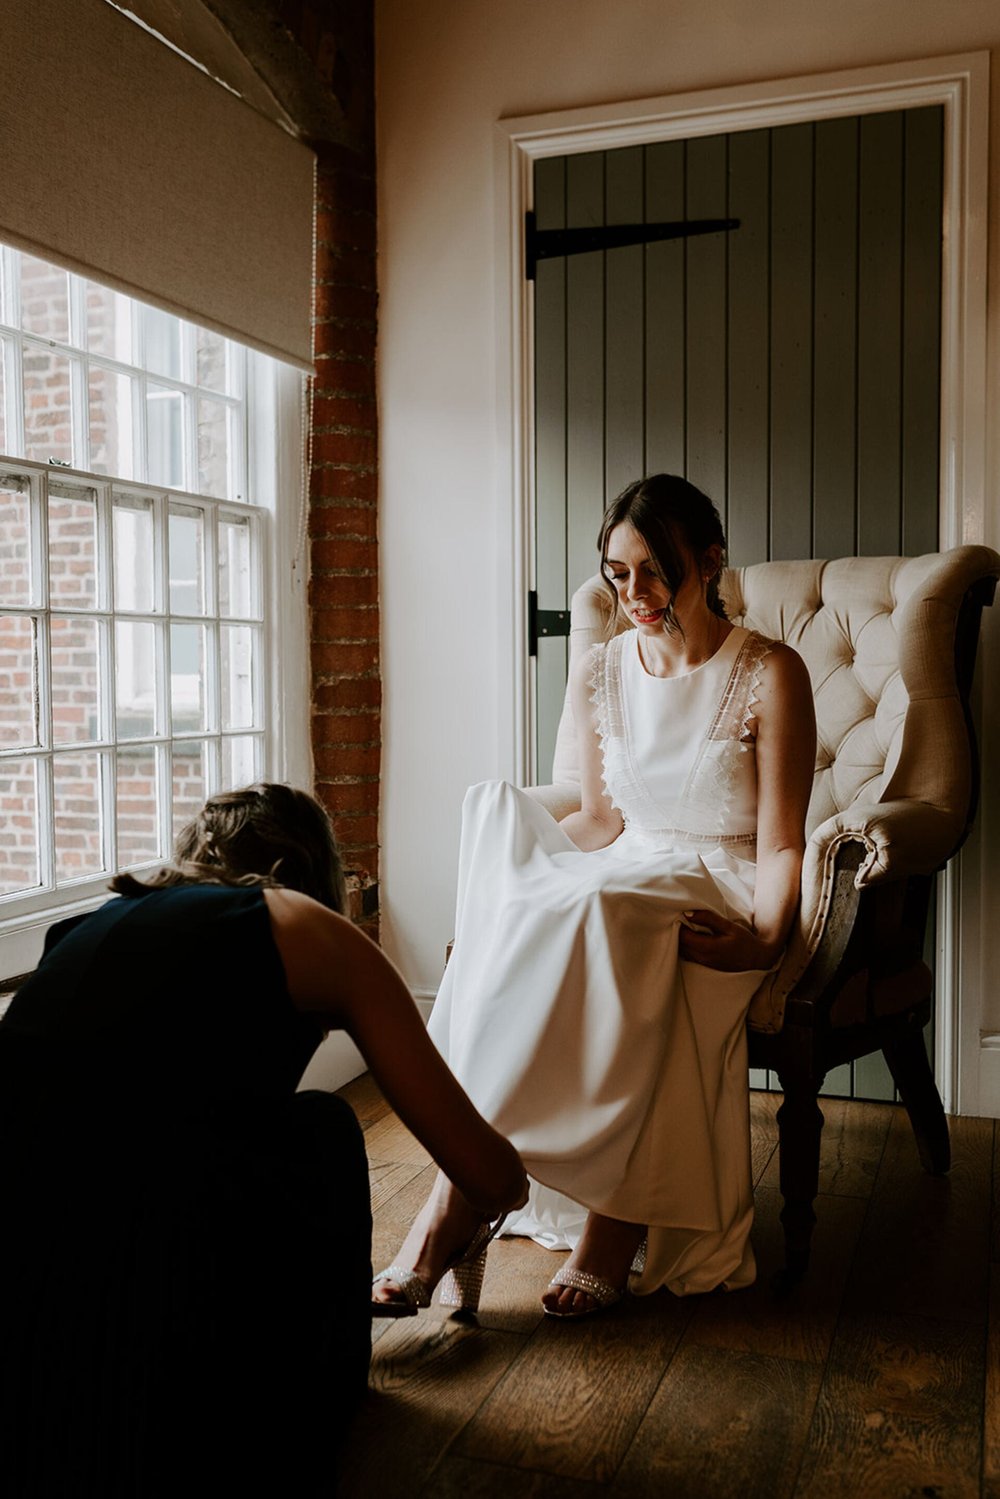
[[679, 752]]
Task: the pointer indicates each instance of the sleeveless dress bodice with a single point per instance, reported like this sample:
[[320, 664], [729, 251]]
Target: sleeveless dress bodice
[[617, 1069], [678, 752]]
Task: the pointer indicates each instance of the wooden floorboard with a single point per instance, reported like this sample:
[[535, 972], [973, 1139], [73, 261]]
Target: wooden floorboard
[[763, 1132], [878, 1374], [991, 1434], [798, 1323], [937, 1228], [462, 1478], [722, 1424], [587, 1385], [852, 1145], [428, 1379], [900, 1411]]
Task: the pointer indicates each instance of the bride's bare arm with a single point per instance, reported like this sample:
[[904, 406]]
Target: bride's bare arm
[[786, 751], [597, 823], [334, 971]]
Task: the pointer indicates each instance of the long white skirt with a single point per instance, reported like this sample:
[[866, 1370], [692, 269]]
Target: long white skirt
[[618, 1070]]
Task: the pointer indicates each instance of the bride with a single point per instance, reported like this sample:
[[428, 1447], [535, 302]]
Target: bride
[[594, 1007]]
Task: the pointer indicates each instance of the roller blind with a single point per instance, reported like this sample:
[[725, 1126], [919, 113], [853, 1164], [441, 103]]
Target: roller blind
[[121, 160]]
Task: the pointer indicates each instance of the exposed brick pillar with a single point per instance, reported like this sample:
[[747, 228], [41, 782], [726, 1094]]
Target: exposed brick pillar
[[346, 684]]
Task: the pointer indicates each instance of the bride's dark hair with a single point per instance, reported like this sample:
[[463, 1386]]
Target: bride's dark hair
[[266, 834], [663, 509]]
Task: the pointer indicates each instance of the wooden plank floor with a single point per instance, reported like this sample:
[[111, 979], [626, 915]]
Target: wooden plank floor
[[879, 1375]]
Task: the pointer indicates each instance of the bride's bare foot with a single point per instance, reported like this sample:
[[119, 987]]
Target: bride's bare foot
[[606, 1250], [441, 1230]]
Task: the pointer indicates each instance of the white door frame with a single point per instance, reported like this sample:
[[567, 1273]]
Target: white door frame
[[961, 85]]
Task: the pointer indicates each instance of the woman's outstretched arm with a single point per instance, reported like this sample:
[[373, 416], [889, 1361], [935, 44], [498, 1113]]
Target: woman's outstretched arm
[[334, 971], [597, 823]]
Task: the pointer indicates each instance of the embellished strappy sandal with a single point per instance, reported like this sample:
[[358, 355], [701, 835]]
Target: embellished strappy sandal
[[595, 1286], [601, 1291], [415, 1293], [461, 1284]]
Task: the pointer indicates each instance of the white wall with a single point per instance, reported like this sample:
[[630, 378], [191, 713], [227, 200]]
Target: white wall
[[447, 70]]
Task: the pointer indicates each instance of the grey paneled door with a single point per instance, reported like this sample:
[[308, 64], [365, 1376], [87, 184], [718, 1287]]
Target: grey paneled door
[[790, 368]]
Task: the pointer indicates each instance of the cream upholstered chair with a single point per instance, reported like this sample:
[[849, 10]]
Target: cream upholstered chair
[[890, 646]]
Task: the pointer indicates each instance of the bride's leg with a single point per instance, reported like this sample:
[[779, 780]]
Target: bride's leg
[[606, 1249], [442, 1229]]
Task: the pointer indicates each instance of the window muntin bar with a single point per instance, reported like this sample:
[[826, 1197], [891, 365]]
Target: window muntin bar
[[131, 633]]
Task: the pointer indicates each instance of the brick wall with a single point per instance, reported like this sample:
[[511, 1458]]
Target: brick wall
[[344, 615], [332, 99]]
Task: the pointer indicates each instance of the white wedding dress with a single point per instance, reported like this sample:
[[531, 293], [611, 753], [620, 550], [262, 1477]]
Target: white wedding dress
[[618, 1070]]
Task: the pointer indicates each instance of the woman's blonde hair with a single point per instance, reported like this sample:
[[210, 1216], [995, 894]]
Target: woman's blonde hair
[[266, 834]]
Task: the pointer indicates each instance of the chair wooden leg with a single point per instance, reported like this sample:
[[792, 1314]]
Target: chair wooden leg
[[800, 1124], [911, 1072]]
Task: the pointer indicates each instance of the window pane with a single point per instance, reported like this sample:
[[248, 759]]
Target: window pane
[[6, 443], [109, 322], [212, 365], [235, 576], [237, 646], [19, 839], [187, 560], [76, 705], [213, 448], [135, 554], [44, 299], [138, 806], [73, 548], [163, 342], [135, 679], [187, 678], [165, 436], [48, 418], [18, 682], [189, 785], [15, 543], [110, 399], [76, 782], [239, 761]]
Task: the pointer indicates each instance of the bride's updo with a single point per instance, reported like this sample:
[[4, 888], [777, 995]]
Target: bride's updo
[[665, 509]]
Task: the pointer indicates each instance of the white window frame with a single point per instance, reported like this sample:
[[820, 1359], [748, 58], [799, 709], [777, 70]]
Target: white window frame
[[967, 1053], [269, 470]]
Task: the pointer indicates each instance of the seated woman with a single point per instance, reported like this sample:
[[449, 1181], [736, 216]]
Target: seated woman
[[594, 1006], [185, 1258]]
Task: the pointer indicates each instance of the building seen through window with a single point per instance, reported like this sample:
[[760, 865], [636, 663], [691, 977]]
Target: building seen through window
[[132, 667]]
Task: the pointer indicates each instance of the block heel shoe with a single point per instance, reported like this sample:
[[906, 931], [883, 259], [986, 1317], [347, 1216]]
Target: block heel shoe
[[460, 1287]]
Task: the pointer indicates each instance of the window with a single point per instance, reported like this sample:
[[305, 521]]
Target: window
[[133, 609]]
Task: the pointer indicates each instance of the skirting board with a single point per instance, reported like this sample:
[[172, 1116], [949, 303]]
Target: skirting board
[[989, 1076], [337, 1060]]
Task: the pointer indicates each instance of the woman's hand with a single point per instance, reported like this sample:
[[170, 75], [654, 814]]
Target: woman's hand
[[725, 945]]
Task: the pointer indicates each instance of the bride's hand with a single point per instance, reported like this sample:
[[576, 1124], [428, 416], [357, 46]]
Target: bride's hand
[[722, 944]]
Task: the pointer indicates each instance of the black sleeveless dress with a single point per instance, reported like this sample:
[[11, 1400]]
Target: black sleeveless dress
[[185, 1241]]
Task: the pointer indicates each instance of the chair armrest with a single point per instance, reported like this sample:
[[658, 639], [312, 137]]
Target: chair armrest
[[855, 849], [902, 837]]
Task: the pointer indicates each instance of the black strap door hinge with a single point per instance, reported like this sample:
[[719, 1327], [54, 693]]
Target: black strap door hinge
[[544, 622], [546, 244]]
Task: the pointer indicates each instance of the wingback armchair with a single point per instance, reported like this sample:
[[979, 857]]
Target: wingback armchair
[[890, 646]]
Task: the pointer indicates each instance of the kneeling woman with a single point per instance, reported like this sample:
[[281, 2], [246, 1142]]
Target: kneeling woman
[[185, 1259]]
